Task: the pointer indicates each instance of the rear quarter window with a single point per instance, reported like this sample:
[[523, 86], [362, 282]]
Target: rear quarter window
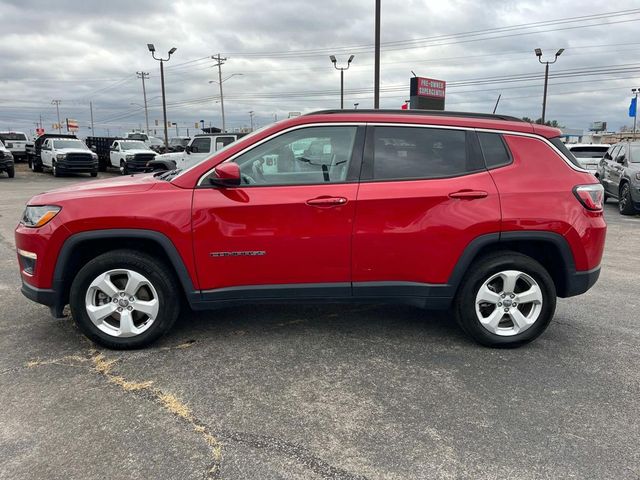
[[494, 150]]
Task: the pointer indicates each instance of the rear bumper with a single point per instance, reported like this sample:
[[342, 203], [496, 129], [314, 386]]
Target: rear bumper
[[579, 282]]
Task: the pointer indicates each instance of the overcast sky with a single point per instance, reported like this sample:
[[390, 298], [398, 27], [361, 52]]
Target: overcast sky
[[82, 51]]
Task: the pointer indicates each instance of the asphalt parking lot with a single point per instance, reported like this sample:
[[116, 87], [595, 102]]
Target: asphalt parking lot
[[305, 392]]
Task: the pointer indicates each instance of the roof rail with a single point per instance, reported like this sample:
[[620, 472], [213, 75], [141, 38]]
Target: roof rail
[[428, 113]]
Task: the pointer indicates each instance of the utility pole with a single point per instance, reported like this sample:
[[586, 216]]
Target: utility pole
[[342, 69], [91, 109], [152, 49], [144, 75], [251, 118], [57, 104], [220, 61], [546, 77], [376, 68]]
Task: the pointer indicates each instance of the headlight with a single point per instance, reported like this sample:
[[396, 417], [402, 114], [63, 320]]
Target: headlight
[[37, 216], [130, 157], [61, 156]]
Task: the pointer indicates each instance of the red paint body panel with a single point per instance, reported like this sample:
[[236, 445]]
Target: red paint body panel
[[301, 243], [533, 198], [413, 231]]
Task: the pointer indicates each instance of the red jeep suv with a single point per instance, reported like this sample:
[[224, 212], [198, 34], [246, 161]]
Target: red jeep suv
[[433, 209]]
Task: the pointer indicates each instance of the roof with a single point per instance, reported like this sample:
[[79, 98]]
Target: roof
[[429, 113]]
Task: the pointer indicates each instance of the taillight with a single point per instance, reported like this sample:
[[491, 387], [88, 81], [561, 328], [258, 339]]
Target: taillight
[[590, 196]]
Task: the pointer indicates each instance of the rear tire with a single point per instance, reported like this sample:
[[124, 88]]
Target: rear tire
[[36, 165], [90, 296], [491, 305], [625, 203], [94, 174], [11, 171]]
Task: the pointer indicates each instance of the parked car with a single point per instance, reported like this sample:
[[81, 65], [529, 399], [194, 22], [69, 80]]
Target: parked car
[[200, 147], [438, 210], [68, 155], [151, 142], [16, 143], [589, 154], [101, 146], [619, 173], [177, 144], [34, 149], [130, 156], [6, 161]]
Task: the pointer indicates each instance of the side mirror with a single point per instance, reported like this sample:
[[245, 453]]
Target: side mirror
[[226, 175]]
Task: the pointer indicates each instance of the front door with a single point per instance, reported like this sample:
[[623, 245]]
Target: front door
[[425, 194], [287, 227]]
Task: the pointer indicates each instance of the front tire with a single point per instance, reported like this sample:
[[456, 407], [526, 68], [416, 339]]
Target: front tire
[[505, 300], [123, 167], [54, 169], [11, 171], [124, 299], [625, 203]]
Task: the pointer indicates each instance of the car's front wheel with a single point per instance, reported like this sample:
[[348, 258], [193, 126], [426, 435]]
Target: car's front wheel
[[506, 300], [11, 171], [124, 299], [625, 203], [123, 167]]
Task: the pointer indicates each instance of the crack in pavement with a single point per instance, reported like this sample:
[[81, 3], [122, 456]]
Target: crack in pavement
[[103, 366]]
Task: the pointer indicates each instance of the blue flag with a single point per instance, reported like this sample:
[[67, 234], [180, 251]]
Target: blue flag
[[632, 107]]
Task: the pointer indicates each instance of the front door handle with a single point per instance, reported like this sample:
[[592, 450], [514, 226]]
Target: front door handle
[[326, 201], [469, 194]]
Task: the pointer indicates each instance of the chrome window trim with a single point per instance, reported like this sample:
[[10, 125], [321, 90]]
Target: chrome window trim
[[398, 124]]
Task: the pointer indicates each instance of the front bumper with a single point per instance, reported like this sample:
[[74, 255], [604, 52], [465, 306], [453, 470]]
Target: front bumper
[[43, 296], [77, 167]]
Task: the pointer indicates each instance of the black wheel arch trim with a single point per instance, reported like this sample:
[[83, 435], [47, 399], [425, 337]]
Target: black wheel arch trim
[[60, 281]]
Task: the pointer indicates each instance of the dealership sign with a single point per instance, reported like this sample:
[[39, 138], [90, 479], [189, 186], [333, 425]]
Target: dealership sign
[[72, 125], [427, 93]]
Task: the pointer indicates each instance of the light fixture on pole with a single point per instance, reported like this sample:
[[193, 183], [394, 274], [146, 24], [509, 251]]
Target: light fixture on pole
[[220, 81], [342, 69], [546, 77], [152, 49]]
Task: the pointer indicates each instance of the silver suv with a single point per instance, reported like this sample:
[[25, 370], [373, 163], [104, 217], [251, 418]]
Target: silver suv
[[619, 173]]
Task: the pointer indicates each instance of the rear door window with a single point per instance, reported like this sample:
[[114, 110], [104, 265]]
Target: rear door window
[[407, 153]]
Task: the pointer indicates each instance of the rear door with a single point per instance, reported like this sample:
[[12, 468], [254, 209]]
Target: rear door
[[617, 167], [425, 194]]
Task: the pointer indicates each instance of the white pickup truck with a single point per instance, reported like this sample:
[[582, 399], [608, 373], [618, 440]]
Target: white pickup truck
[[16, 143], [130, 156], [68, 155], [198, 149]]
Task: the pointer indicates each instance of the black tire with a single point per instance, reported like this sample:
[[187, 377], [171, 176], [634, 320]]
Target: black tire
[[625, 203], [11, 171], [123, 168], [54, 169], [94, 174], [483, 269], [158, 274]]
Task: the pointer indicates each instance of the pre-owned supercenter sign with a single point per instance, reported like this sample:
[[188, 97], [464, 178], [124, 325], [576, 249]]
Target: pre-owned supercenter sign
[[427, 93], [428, 87]]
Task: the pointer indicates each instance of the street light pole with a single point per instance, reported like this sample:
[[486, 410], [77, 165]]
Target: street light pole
[[152, 49], [342, 69], [144, 75], [57, 104], [546, 77], [635, 92]]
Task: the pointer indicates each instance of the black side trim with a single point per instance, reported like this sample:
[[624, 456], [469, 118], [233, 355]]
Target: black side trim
[[43, 296], [580, 282], [469, 254], [284, 292], [59, 279]]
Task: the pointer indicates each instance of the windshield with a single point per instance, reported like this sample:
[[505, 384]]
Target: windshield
[[634, 153], [179, 141], [69, 144], [20, 137], [133, 146], [591, 151]]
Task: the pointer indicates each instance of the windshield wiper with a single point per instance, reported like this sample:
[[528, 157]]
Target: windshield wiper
[[168, 175]]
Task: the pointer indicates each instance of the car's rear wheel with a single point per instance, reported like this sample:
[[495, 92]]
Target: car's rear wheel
[[11, 171], [124, 299], [506, 300], [625, 204]]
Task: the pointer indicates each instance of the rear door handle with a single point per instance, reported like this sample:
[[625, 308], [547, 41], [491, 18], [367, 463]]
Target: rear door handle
[[469, 194], [326, 201]]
